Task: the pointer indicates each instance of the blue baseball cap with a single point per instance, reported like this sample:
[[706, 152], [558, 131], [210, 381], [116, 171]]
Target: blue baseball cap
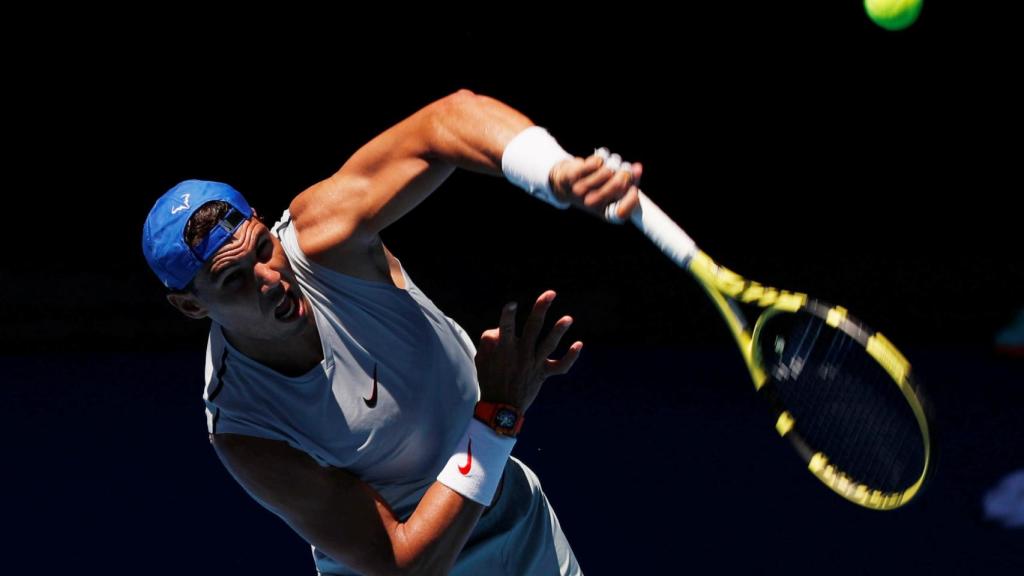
[[163, 236]]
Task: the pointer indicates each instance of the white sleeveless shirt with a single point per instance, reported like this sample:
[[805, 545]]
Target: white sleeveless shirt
[[389, 401]]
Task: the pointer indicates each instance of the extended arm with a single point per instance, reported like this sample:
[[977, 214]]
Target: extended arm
[[394, 172]]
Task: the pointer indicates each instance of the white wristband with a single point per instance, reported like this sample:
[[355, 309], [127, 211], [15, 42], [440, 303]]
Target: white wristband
[[476, 468], [527, 162]]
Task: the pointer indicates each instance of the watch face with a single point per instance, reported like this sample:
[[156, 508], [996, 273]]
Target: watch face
[[505, 418]]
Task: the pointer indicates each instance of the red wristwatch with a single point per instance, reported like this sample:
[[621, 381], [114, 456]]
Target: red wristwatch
[[504, 419]]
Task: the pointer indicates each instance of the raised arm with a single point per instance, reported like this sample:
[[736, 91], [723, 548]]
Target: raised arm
[[394, 172], [398, 169]]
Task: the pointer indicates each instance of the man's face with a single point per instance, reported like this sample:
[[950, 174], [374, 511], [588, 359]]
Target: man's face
[[248, 287]]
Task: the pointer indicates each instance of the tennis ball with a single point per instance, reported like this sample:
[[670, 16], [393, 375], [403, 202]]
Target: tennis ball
[[893, 14]]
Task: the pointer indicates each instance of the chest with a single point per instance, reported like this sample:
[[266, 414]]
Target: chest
[[401, 402]]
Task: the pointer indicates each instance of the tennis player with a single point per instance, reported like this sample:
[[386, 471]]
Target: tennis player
[[337, 394]]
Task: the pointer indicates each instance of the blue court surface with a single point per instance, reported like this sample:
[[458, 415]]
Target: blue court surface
[[656, 460]]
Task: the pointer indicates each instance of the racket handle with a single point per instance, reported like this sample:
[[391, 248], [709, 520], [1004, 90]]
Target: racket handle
[[659, 228], [650, 219]]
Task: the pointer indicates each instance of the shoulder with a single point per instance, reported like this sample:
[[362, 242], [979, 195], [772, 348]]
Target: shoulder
[[325, 216]]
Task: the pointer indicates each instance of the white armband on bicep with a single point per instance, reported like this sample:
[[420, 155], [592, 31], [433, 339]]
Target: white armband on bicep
[[527, 162]]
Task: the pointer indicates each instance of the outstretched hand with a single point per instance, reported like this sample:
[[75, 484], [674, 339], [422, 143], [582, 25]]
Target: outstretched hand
[[591, 185], [512, 369]]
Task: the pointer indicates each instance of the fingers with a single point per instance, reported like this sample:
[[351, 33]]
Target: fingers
[[554, 337], [569, 172], [507, 325], [504, 336], [618, 208], [591, 181], [603, 180], [629, 203], [531, 331], [566, 174], [638, 171], [488, 340], [615, 187], [562, 365]]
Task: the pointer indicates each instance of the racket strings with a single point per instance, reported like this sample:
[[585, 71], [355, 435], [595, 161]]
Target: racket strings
[[876, 449], [868, 433], [844, 404]]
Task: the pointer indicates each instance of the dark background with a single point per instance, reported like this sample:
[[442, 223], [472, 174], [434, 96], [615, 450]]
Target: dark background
[[797, 143]]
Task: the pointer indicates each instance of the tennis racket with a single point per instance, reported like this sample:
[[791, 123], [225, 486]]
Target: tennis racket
[[842, 394]]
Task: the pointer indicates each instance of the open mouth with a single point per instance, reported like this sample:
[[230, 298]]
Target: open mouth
[[287, 308]]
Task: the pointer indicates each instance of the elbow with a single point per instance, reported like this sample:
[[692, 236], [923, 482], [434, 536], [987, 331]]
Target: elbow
[[398, 557], [462, 97], [411, 558], [457, 104]]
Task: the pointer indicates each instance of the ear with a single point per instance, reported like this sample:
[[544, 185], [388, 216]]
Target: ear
[[188, 304]]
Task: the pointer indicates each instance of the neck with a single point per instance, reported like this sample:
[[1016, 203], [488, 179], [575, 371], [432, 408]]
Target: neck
[[291, 356]]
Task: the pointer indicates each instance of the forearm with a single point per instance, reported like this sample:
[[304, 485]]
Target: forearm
[[350, 522], [346, 518], [484, 135], [471, 131], [439, 527], [401, 167], [432, 538]]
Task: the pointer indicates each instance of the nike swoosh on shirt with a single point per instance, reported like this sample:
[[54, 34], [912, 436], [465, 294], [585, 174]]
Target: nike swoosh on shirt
[[464, 470], [371, 402]]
